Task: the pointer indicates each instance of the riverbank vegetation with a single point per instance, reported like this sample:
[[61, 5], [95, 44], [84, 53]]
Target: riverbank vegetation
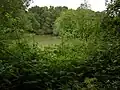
[[86, 57]]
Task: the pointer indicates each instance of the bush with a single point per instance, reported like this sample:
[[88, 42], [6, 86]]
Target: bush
[[59, 67], [65, 66]]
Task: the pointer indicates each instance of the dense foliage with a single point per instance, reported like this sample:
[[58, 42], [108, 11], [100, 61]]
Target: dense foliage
[[87, 60], [78, 23], [45, 18], [112, 18]]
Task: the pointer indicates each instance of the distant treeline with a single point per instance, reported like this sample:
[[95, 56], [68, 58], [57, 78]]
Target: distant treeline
[[38, 20], [43, 18]]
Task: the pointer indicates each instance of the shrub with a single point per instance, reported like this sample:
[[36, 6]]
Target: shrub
[[58, 67]]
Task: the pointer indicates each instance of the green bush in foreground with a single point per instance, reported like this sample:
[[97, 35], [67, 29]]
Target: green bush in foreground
[[82, 65], [31, 68], [60, 67]]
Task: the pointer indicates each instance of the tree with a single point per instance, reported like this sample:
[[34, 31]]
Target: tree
[[46, 17], [84, 5], [111, 21], [13, 18], [77, 23], [8, 8]]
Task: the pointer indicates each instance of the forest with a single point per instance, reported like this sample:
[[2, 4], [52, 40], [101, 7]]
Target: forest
[[82, 50]]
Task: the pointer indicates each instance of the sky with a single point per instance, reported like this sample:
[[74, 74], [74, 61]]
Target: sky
[[96, 5]]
